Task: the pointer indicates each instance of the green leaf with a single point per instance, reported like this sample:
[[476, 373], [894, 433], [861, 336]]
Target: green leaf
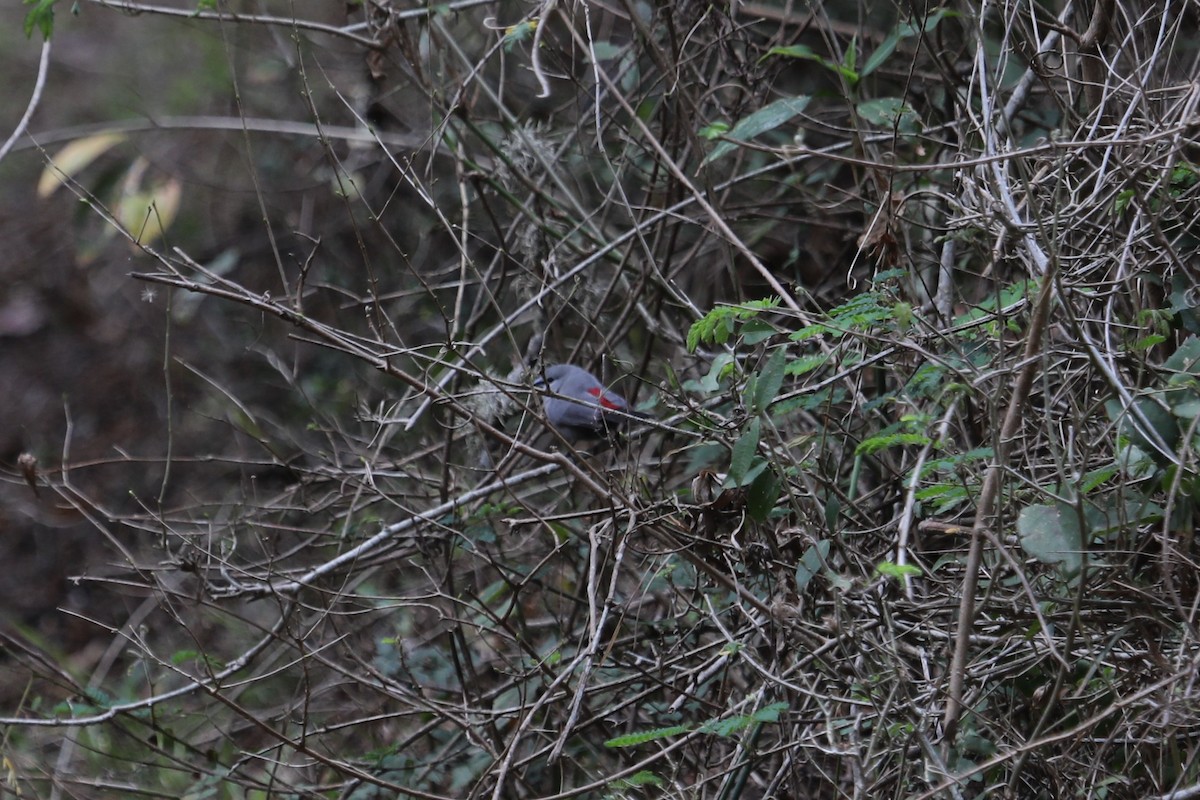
[[1103, 521], [1186, 359], [1051, 535], [718, 324], [867, 311], [634, 739], [904, 30], [795, 51], [890, 569], [931, 21], [770, 380], [646, 109], [1185, 304], [767, 118], [744, 450], [736, 724], [1123, 199], [631, 73], [944, 496], [727, 727], [807, 364], [711, 382], [890, 112], [958, 461], [719, 727], [757, 467], [881, 54], [184, 656], [810, 564], [1009, 296], [763, 492], [807, 53], [810, 332], [606, 51], [1096, 477], [40, 16], [1147, 342], [1135, 463], [769, 713], [1131, 427], [1189, 409], [641, 778], [877, 443], [755, 331]]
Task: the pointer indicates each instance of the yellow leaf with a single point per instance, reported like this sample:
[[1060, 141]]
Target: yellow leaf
[[72, 159], [147, 214]]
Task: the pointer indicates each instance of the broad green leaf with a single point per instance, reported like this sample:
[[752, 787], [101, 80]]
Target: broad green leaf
[[184, 656], [1135, 463], [767, 118], [1188, 409], [770, 380], [744, 450], [755, 331], [888, 112], [1186, 359], [762, 495], [1096, 477], [810, 564], [1123, 199], [904, 30], [881, 54], [1131, 427], [1106, 520], [757, 467], [1051, 535], [769, 713], [605, 50]]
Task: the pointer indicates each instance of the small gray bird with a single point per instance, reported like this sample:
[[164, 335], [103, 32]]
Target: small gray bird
[[592, 412]]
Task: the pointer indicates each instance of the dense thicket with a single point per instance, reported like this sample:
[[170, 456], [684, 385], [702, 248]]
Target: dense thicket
[[908, 294]]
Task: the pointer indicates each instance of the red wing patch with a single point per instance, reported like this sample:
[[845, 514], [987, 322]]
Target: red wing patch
[[596, 392]]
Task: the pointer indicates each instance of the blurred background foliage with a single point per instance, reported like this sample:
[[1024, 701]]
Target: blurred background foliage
[[908, 295]]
